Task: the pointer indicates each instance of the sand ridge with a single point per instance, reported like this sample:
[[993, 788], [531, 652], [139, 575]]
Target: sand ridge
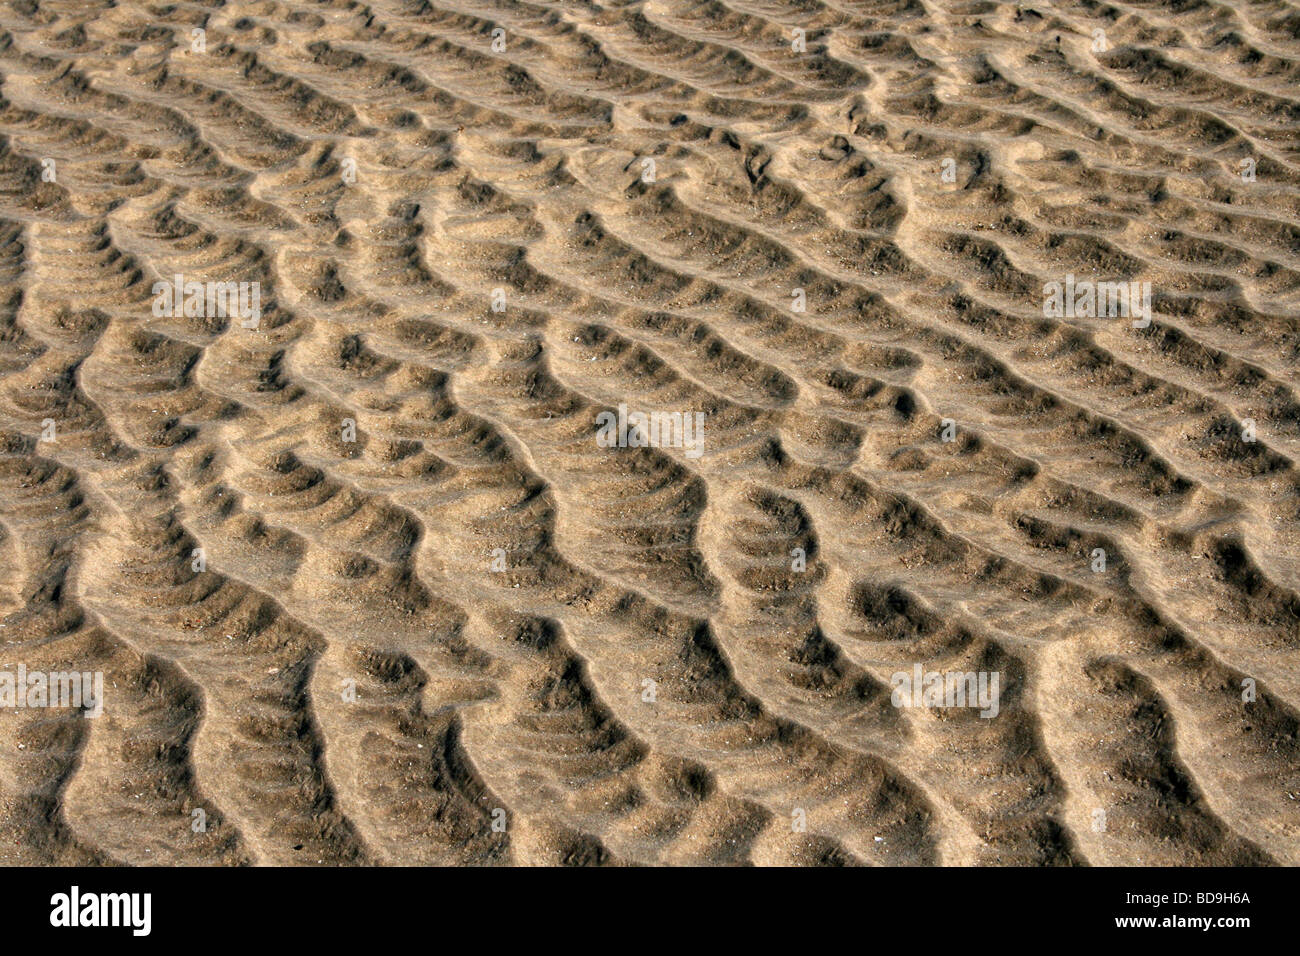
[[363, 584]]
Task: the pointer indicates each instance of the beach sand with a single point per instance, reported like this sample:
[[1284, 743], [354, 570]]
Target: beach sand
[[371, 578]]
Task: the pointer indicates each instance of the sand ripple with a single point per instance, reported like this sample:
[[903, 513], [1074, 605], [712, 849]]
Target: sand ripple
[[471, 635]]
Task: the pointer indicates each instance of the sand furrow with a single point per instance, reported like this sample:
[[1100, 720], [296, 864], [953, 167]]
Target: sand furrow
[[589, 418]]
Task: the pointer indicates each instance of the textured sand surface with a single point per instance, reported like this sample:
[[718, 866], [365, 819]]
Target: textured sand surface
[[650, 678]]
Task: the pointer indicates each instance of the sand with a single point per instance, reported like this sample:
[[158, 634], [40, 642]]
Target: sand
[[370, 577]]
